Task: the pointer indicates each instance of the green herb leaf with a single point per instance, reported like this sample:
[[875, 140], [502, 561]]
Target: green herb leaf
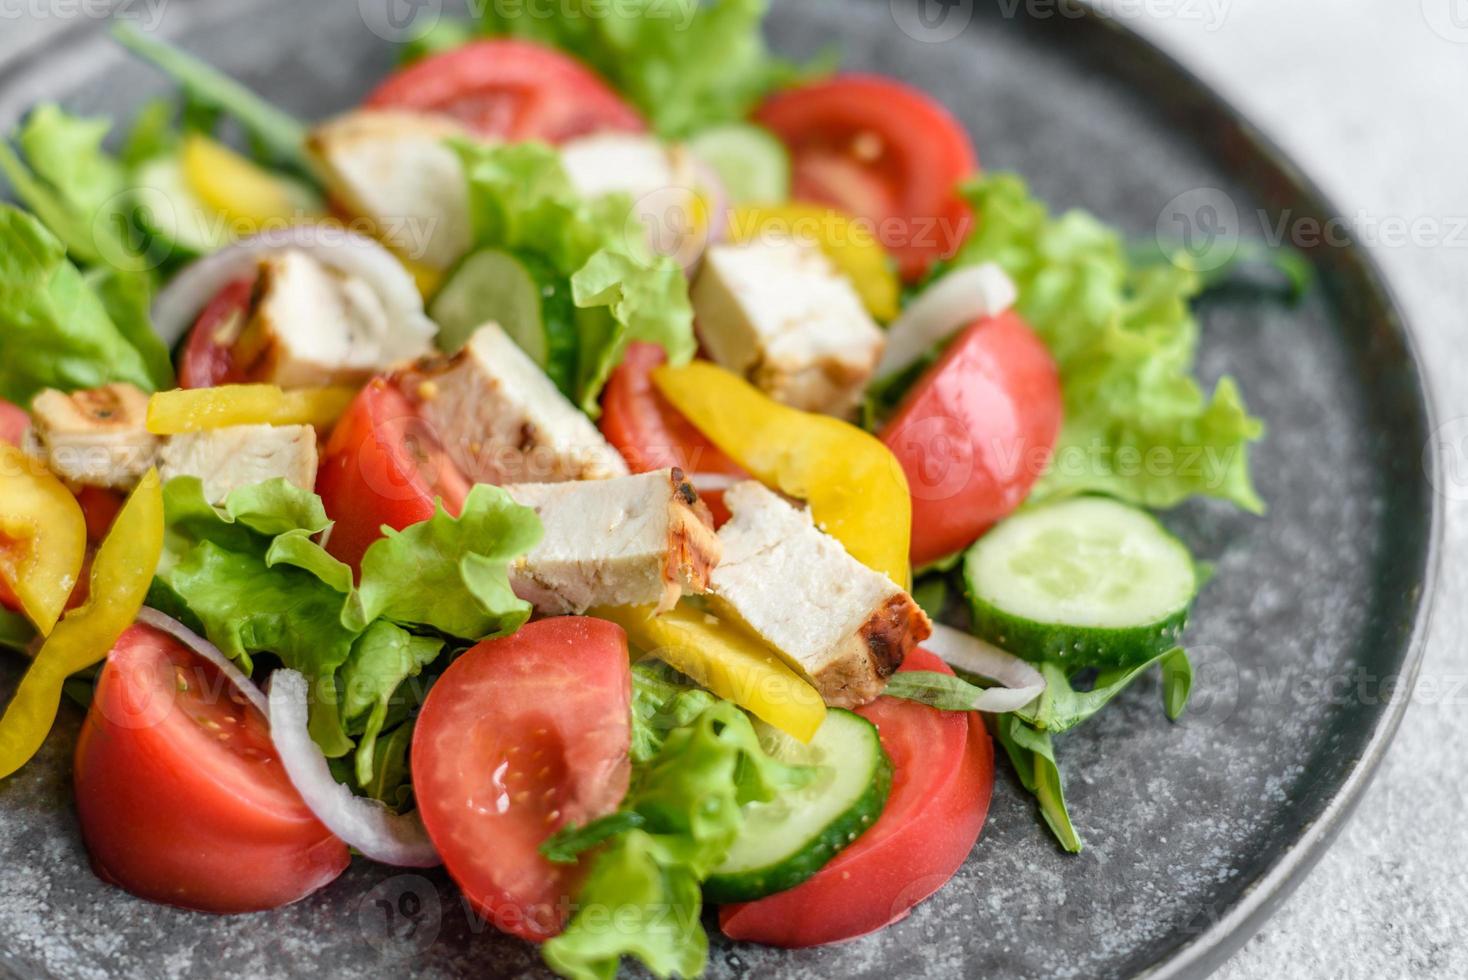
[[1032, 754], [1062, 707], [571, 841], [1177, 683]]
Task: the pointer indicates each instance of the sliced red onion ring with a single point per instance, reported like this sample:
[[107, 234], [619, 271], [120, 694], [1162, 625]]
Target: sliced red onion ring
[[208, 651], [347, 252], [943, 309], [367, 825], [716, 199], [714, 482], [1022, 682]]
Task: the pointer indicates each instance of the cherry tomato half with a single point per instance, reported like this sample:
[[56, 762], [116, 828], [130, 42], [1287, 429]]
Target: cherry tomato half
[[208, 358], [519, 737], [510, 89], [883, 151], [181, 796]]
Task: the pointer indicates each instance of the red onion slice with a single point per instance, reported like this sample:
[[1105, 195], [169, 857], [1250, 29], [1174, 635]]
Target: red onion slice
[[367, 825], [208, 651], [943, 309], [347, 252], [1022, 682]]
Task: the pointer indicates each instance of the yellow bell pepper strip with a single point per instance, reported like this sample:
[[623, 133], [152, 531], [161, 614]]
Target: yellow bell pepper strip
[[855, 487], [43, 537], [250, 198], [198, 409], [727, 661], [121, 575], [848, 243]]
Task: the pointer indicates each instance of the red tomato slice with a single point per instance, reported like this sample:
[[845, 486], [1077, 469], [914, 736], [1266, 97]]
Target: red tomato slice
[[99, 508], [181, 796], [882, 151], [651, 434], [507, 89], [519, 737], [208, 356], [382, 466], [943, 776], [975, 433], [13, 423]]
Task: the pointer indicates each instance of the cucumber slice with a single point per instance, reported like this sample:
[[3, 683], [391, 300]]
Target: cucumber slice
[[1088, 582], [753, 165], [520, 294], [168, 210], [787, 840]]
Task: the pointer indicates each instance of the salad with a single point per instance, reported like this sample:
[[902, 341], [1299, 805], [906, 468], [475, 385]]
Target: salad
[[628, 469]]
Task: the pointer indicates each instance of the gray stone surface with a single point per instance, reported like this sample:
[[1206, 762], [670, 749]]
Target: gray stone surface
[[1367, 96]]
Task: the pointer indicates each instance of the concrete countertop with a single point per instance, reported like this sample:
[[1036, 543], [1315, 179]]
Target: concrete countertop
[[1368, 96]]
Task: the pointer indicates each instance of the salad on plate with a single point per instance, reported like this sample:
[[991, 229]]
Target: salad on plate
[[628, 469]]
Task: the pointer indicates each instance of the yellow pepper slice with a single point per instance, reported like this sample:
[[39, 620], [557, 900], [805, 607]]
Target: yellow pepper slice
[[121, 575], [43, 537], [251, 198], [855, 487], [848, 243], [727, 661], [198, 409]]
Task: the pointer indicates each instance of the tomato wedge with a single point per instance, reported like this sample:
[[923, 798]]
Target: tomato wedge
[[883, 151], [181, 796], [208, 357], [975, 433], [13, 423], [509, 89], [382, 466], [943, 777], [651, 434], [519, 737]]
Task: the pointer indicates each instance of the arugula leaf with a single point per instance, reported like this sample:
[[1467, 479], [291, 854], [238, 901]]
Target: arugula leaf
[[687, 803], [571, 841], [1177, 683], [392, 781], [686, 64], [1062, 707], [277, 131], [55, 331], [452, 573], [521, 201], [1032, 754], [1125, 340]]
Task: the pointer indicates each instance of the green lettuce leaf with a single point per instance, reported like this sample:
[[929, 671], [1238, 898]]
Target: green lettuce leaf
[[685, 64], [1032, 753], [55, 330], [521, 201], [383, 659], [1063, 707], [127, 297], [1137, 424], [642, 896]]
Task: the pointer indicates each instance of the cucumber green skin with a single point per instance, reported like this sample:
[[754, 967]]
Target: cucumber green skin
[[1075, 646], [746, 886]]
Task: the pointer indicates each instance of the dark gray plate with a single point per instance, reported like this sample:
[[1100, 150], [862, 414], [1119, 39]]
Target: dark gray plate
[[1195, 831]]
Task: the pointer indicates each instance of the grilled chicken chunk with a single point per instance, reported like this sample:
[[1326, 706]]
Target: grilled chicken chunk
[[314, 326], [395, 169], [501, 420], [844, 626], [241, 455], [96, 437], [778, 312], [630, 541]]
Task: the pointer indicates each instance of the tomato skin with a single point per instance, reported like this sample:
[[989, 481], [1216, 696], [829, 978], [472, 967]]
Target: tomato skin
[[943, 777], [975, 433], [175, 814], [883, 151], [381, 466], [520, 736], [13, 422], [208, 357], [510, 89], [99, 507], [650, 433]]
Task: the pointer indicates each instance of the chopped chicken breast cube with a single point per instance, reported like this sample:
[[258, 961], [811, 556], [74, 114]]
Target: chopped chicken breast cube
[[662, 181], [240, 456], [844, 626], [641, 540], [779, 313], [395, 169], [501, 420], [313, 326], [97, 437]]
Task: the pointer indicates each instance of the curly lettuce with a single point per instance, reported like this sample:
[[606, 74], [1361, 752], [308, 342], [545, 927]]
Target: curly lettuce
[[1137, 424], [521, 201]]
